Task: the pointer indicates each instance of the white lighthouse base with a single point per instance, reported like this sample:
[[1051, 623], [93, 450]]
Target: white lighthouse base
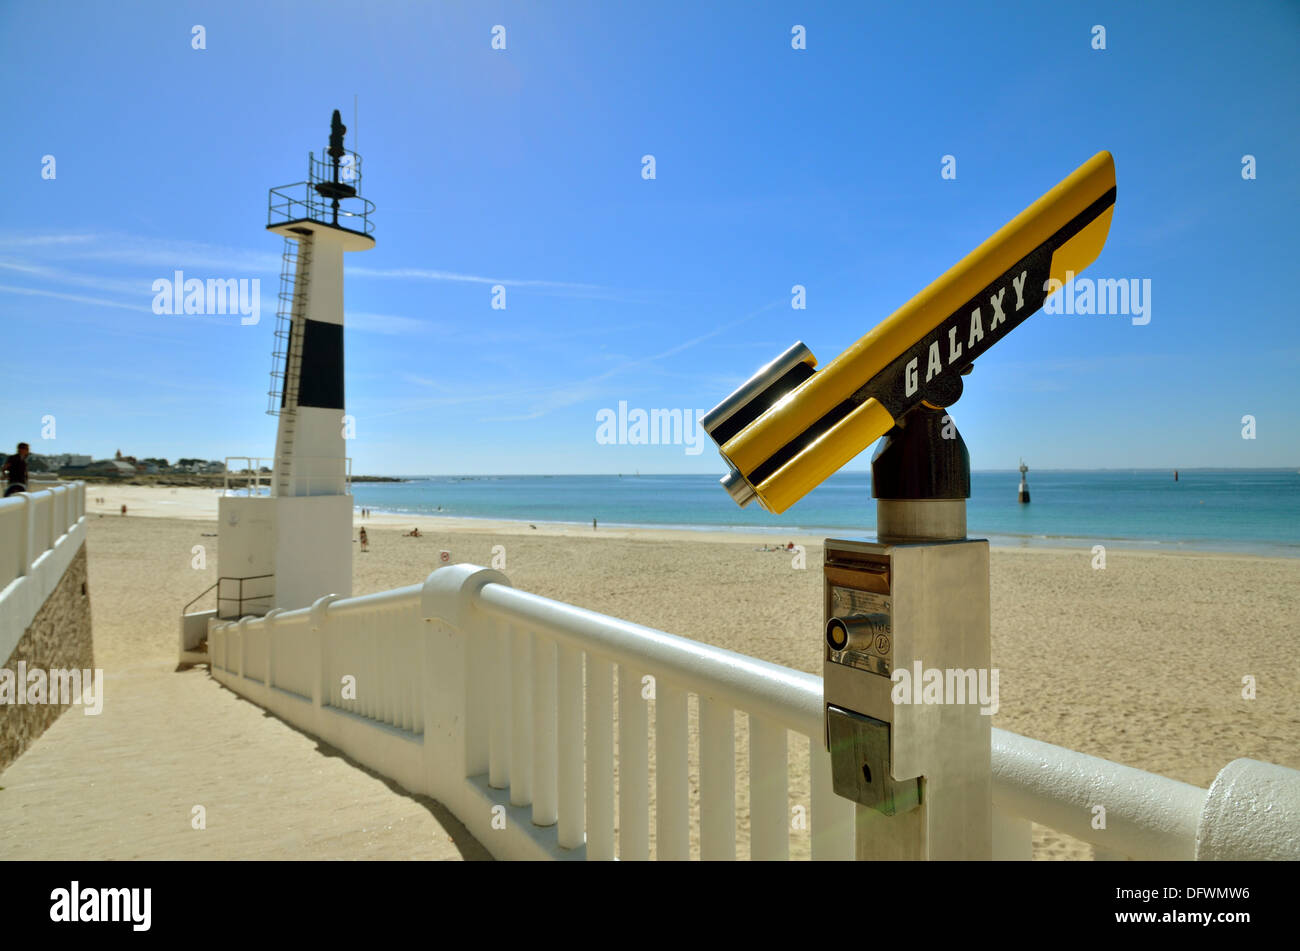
[[313, 549], [304, 542]]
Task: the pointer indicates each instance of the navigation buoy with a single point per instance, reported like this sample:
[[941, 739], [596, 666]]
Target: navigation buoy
[[1175, 475], [1022, 494]]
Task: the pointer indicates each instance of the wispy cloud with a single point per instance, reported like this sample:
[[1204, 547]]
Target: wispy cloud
[[423, 274], [166, 254], [76, 298], [389, 324], [536, 402], [112, 285], [22, 241], [573, 289]]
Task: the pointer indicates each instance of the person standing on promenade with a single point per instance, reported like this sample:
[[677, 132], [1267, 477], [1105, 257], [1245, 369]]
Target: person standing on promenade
[[15, 470]]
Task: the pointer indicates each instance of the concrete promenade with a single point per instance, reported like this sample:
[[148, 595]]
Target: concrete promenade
[[124, 784]]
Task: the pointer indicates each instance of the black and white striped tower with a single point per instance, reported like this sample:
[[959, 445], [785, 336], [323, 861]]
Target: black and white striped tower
[[1022, 494], [320, 219]]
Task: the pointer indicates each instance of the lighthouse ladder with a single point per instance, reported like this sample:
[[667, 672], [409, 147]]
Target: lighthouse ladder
[[287, 355]]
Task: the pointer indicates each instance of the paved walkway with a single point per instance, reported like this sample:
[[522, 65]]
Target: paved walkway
[[124, 784]]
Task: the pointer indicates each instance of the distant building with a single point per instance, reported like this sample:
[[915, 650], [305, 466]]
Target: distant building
[[65, 459], [115, 467]]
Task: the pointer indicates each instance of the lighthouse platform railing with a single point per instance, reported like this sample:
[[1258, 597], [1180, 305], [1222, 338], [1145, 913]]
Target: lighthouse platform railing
[[552, 731], [313, 475]]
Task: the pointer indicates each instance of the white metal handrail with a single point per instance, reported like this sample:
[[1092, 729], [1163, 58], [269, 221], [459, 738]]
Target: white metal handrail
[[489, 695]]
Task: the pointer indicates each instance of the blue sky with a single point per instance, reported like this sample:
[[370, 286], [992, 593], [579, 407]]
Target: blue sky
[[522, 167]]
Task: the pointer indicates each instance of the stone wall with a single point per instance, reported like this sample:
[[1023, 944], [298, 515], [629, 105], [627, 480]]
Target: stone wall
[[58, 637]]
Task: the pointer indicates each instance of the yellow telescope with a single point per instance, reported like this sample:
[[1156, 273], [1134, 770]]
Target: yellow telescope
[[790, 426]]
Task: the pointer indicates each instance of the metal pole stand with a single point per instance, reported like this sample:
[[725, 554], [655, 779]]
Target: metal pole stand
[[906, 657]]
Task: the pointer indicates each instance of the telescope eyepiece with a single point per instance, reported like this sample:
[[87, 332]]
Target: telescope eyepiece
[[741, 492]]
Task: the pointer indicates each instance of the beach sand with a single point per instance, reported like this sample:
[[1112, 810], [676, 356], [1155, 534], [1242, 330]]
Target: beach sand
[[1141, 663]]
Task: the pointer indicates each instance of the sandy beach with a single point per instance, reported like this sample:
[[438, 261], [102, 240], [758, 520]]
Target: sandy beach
[[1141, 663]]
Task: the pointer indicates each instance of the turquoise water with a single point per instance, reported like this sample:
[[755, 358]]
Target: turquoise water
[[1220, 510]]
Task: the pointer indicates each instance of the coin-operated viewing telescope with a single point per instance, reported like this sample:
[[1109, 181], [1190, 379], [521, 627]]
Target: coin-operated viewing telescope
[[906, 641], [790, 426]]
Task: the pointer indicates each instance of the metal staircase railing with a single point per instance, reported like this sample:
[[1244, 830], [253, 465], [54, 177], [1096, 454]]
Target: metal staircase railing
[[255, 605]]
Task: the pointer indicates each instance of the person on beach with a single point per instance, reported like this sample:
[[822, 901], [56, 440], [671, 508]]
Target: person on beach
[[593, 524], [365, 542], [15, 470], [123, 508], [413, 533]]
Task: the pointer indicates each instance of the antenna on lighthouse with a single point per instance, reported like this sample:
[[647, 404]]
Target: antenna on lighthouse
[[334, 189]]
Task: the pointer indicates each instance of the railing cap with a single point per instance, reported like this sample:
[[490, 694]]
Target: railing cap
[[1251, 812], [318, 609], [449, 592]]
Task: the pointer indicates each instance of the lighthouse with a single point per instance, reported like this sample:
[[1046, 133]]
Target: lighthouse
[[293, 545], [1022, 494]]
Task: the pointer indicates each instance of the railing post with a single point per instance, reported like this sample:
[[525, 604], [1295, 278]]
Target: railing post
[[545, 749], [52, 527], [572, 790], [319, 689], [633, 768], [600, 758], [833, 828], [521, 730], [23, 545], [717, 780], [32, 532], [269, 618], [1013, 838], [454, 735], [769, 770], [242, 625], [498, 637], [672, 778]]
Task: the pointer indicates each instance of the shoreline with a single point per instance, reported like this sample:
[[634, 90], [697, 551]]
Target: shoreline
[[200, 504]]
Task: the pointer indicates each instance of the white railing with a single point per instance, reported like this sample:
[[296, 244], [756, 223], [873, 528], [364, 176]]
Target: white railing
[[40, 532], [245, 474], [312, 475], [505, 706]]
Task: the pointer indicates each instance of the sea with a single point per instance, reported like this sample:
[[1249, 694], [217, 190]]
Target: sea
[[1253, 511]]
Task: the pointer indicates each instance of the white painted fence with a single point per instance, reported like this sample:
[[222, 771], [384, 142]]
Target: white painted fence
[[40, 533], [505, 705]]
